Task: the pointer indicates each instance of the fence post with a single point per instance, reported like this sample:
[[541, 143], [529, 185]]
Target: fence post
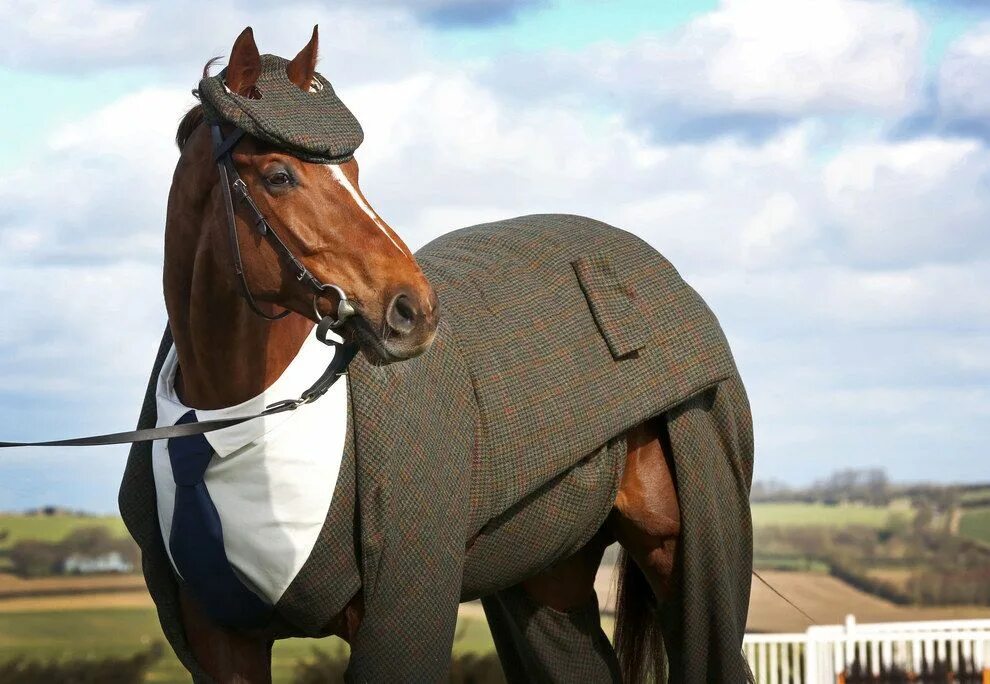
[[810, 658]]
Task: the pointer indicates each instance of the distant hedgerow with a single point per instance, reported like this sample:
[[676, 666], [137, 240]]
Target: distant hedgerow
[[130, 670]]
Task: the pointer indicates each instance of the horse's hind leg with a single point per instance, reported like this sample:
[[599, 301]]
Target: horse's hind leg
[[225, 655], [548, 628], [646, 522], [646, 519]]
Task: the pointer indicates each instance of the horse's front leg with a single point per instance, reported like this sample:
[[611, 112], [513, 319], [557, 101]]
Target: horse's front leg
[[226, 655], [548, 627]]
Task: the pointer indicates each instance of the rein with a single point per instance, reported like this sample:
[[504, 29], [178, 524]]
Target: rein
[[345, 352], [337, 368]]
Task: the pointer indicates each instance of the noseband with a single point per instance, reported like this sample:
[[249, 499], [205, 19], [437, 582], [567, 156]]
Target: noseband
[[231, 182]]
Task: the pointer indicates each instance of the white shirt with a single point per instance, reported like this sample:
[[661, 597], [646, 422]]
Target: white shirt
[[271, 479]]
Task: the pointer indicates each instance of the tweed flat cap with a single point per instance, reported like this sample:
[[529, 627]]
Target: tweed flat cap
[[315, 126]]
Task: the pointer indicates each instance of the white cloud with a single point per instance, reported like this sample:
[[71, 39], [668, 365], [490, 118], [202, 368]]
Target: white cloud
[[911, 202], [837, 298], [749, 64], [177, 37], [80, 330], [97, 190], [82, 35], [86, 27], [795, 56], [840, 283], [963, 76]]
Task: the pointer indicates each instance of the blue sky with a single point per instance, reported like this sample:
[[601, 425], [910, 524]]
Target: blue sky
[[817, 169]]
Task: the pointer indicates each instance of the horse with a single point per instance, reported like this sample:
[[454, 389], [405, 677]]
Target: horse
[[238, 319]]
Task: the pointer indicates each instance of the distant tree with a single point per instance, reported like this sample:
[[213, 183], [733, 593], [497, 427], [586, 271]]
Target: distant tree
[[96, 541], [870, 486], [770, 490], [32, 558]]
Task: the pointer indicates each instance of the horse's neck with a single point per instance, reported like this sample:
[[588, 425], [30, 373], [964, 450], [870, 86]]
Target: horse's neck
[[227, 353]]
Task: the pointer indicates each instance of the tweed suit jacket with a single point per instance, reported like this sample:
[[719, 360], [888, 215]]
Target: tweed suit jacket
[[500, 450]]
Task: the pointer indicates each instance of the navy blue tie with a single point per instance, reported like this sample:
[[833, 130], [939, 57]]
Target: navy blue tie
[[196, 540]]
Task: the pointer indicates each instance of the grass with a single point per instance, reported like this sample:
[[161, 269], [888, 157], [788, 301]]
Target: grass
[[120, 632], [93, 632], [52, 528], [975, 524], [821, 515]]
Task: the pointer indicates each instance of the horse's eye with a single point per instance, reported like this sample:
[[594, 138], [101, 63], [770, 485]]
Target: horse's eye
[[279, 179]]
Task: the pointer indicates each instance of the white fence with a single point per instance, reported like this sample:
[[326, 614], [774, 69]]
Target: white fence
[[949, 650]]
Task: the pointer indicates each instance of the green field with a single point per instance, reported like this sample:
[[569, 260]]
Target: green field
[[822, 515], [96, 633], [975, 524], [52, 528], [120, 632], [975, 497]]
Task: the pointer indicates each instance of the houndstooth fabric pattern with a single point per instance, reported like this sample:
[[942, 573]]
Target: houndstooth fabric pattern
[[532, 301], [712, 441], [315, 126], [500, 450], [539, 645], [574, 505]]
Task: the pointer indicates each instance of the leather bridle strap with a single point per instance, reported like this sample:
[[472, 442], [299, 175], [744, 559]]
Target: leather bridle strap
[[337, 368], [224, 166], [231, 182]]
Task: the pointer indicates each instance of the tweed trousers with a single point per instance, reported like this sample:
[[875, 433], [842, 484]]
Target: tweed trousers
[[500, 450], [538, 644]]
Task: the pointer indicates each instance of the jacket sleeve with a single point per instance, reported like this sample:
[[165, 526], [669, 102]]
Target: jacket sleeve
[[138, 509]]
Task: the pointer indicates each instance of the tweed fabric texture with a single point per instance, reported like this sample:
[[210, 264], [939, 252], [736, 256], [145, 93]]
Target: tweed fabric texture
[[611, 303], [712, 442], [539, 645], [558, 334], [414, 432], [315, 126], [573, 507], [549, 390]]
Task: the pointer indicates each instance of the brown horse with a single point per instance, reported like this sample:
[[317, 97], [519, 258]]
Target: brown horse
[[228, 354]]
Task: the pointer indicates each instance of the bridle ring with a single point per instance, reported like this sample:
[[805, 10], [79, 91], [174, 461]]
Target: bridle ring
[[344, 307]]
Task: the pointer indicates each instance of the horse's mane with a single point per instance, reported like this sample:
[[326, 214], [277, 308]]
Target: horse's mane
[[194, 117]]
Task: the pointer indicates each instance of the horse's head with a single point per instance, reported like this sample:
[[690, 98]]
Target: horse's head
[[317, 210]]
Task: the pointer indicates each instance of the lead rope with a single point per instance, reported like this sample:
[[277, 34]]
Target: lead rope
[[222, 150], [785, 599], [335, 370]]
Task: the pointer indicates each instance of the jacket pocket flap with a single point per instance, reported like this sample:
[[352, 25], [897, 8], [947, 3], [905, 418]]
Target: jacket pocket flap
[[613, 305]]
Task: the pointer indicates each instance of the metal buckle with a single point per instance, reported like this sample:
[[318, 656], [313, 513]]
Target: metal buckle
[[286, 405]]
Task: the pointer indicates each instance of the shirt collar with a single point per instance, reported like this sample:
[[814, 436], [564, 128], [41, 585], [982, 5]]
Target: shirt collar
[[309, 363]]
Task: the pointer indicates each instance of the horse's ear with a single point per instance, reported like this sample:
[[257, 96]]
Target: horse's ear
[[244, 67], [302, 69]]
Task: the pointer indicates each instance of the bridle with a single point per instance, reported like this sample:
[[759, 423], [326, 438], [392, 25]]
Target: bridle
[[230, 183], [344, 351]]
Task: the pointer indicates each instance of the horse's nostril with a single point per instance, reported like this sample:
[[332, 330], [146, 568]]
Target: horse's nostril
[[401, 314]]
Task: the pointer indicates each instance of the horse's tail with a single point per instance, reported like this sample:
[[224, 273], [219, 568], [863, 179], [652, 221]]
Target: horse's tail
[[638, 638]]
